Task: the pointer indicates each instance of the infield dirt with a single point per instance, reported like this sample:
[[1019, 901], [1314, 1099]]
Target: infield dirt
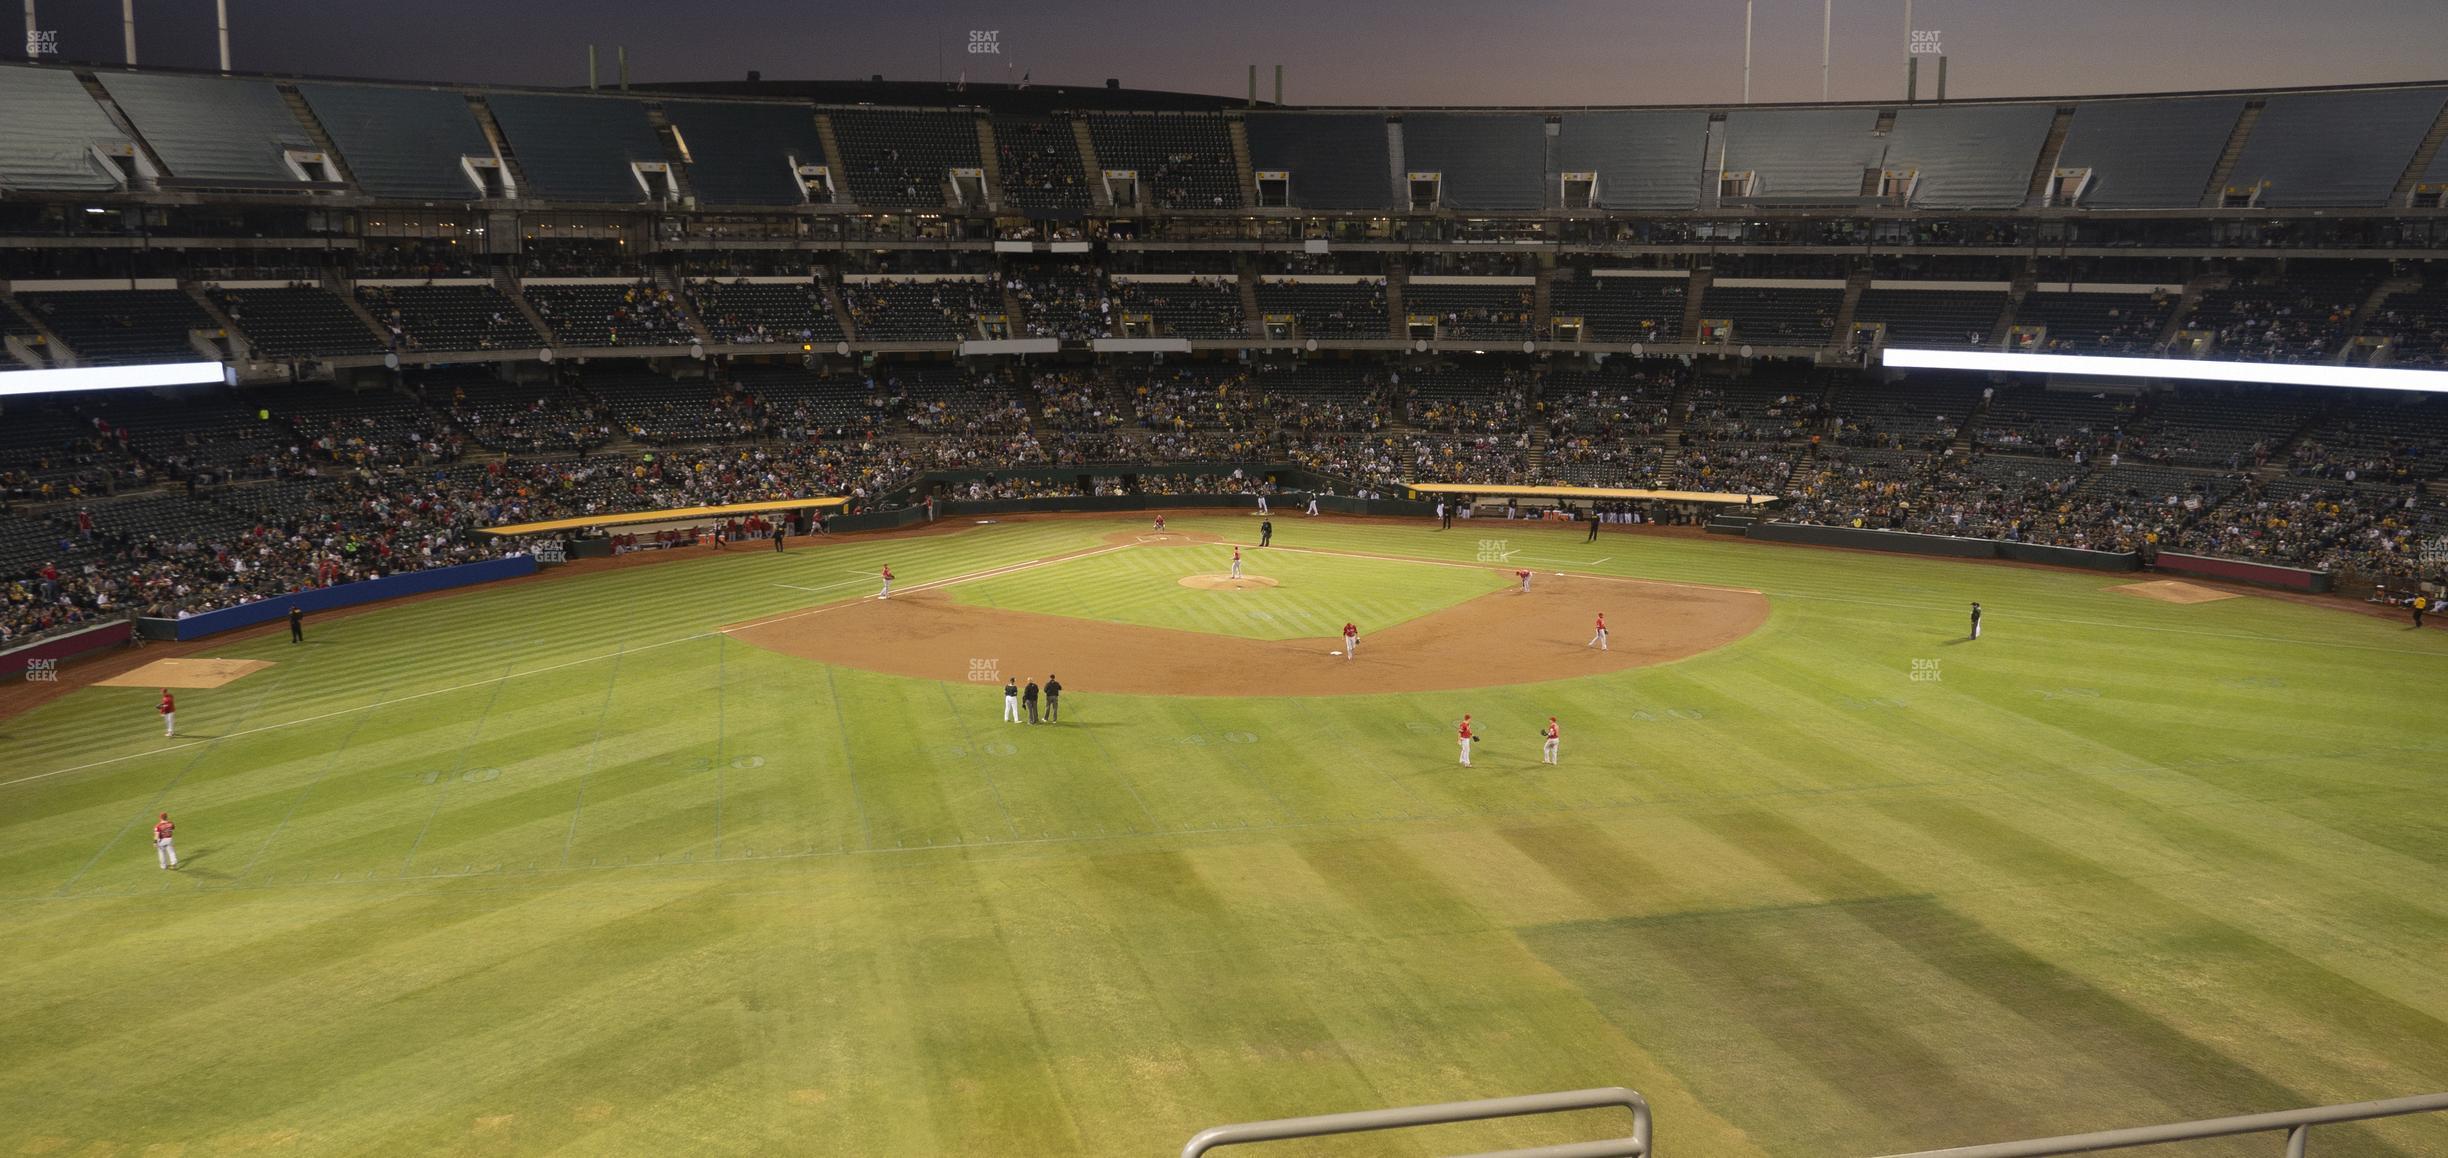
[[1505, 637]]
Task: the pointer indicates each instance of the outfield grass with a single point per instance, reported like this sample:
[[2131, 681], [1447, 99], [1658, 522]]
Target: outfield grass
[[557, 867]]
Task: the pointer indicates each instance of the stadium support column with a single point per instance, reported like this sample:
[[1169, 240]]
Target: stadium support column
[[127, 27], [221, 27], [33, 33], [1747, 5], [1942, 79]]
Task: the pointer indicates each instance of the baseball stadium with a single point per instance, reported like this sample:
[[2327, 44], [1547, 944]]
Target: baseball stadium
[[901, 618]]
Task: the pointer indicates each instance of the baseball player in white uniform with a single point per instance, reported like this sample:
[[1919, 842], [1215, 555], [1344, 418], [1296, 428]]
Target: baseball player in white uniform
[[1555, 740], [1236, 570], [1011, 701], [1599, 640], [1351, 640]]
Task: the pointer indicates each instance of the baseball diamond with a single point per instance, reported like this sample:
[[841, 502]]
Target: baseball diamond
[[1534, 590], [776, 824]]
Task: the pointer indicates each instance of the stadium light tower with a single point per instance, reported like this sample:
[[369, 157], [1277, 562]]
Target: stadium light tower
[[1747, 4], [221, 25], [1827, 35]]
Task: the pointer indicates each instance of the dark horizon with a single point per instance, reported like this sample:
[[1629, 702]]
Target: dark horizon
[[1425, 53]]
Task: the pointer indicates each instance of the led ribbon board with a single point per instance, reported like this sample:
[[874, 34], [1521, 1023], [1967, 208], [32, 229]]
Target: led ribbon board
[[2103, 366], [110, 378]]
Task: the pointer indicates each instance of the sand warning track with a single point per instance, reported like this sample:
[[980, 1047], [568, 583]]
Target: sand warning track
[[1505, 637]]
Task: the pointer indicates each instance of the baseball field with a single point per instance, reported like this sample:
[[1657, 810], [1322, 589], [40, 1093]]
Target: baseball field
[[722, 855]]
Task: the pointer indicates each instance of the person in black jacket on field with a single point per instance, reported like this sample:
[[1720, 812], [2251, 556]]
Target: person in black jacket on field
[[1028, 696], [1053, 697]]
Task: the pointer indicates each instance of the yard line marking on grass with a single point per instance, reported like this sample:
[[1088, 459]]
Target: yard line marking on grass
[[841, 729], [345, 711], [594, 750], [311, 785], [720, 789], [970, 742], [153, 804], [458, 765], [914, 588]]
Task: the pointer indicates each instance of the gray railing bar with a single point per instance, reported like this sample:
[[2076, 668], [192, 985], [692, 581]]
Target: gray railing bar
[[2297, 1123], [1358, 1121]]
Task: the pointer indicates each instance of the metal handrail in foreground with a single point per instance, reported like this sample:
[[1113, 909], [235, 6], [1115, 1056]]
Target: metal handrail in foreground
[[2297, 1124], [1634, 1146]]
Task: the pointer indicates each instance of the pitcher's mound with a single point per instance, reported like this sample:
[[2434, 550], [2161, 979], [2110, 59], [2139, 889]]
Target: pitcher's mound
[[2175, 591], [1226, 582], [186, 673]]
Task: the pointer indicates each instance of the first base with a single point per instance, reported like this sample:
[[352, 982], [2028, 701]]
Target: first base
[[1334, 653]]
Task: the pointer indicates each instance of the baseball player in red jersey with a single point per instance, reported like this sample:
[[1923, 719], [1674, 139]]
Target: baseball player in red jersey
[[169, 714], [1236, 571], [1465, 737], [1351, 640], [1523, 574], [1599, 640], [887, 592], [1160, 524], [162, 851], [1555, 740]]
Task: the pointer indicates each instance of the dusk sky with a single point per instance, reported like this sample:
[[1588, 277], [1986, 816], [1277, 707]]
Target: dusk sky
[[1417, 52]]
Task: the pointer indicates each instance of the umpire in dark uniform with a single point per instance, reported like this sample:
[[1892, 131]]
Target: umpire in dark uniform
[[1053, 694], [297, 624], [1028, 696], [1266, 531], [778, 529], [1595, 514]]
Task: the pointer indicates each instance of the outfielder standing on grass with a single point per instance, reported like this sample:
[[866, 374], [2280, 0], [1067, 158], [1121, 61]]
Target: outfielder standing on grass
[[886, 593], [1351, 640], [1465, 737], [1976, 621], [162, 851], [1555, 740], [169, 714], [297, 624], [1599, 640]]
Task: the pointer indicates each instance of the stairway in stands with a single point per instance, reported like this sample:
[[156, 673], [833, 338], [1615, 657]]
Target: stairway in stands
[[1095, 169], [1245, 277], [2219, 177], [1398, 318], [500, 142], [1241, 161], [833, 161], [314, 130], [2036, 193], [673, 154], [987, 161]]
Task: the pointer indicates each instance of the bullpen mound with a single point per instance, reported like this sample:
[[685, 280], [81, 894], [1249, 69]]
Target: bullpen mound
[[1501, 638]]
